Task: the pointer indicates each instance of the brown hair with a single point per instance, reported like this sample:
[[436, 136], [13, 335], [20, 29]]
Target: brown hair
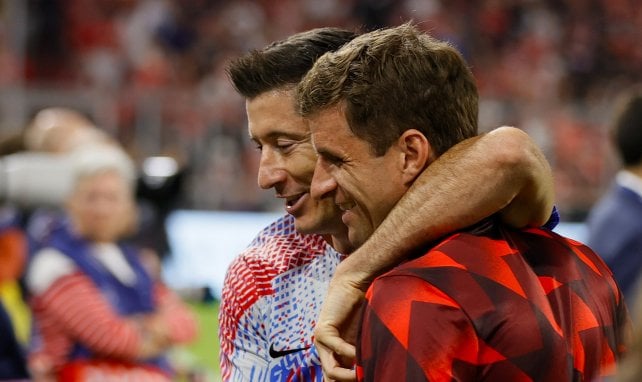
[[392, 80]]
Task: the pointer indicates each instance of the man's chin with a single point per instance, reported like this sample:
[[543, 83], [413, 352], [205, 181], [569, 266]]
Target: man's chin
[[306, 227], [356, 239], [313, 226]]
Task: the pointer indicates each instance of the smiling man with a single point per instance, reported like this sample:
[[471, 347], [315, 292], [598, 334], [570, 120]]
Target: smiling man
[[487, 303], [273, 290], [287, 164]]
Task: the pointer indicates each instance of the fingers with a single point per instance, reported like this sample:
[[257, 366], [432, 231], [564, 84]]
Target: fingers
[[336, 330], [329, 340], [336, 367], [340, 375]]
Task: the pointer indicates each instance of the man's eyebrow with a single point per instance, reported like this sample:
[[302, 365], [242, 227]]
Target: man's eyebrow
[[282, 134]]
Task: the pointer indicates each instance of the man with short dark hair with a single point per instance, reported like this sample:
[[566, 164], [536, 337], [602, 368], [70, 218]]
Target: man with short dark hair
[[487, 303]]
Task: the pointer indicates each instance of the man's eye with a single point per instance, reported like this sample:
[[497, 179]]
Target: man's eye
[[336, 162], [259, 147], [332, 159], [284, 145]]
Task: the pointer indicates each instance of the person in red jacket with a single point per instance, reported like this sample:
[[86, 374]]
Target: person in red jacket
[[489, 302]]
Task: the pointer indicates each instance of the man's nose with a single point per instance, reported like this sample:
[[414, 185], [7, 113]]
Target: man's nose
[[323, 184], [270, 171]]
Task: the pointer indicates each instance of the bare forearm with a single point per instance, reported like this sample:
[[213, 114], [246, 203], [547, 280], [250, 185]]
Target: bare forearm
[[500, 171]]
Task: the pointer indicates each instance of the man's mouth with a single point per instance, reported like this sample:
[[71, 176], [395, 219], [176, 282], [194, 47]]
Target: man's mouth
[[347, 215], [346, 206], [292, 201]]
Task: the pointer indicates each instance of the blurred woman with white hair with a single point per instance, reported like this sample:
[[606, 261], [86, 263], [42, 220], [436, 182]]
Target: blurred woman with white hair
[[98, 312]]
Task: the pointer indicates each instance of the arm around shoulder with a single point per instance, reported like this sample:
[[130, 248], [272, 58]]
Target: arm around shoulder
[[531, 175], [502, 171]]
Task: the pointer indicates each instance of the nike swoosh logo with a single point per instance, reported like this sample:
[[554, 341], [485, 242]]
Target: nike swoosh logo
[[281, 353]]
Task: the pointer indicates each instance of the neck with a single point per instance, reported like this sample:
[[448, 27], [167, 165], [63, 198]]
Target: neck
[[340, 242]]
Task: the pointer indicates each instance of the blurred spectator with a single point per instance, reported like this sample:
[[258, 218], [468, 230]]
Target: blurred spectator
[[15, 317], [37, 170], [40, 173], [615, 222], [96, 308]]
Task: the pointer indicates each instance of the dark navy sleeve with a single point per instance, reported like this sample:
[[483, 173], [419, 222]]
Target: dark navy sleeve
[[554, 220]]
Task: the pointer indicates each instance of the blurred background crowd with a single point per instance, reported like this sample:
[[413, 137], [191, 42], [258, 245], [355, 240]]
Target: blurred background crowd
[[151, 73]]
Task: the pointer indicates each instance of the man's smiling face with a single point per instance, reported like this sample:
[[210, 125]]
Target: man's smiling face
[[288, 160], [364, 186]]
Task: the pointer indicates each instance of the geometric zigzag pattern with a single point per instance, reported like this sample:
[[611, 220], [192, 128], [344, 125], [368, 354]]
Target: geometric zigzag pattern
[[500, 305]]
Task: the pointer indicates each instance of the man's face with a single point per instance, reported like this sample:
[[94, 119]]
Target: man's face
[[364, 186], [102, 207], [288, 159]]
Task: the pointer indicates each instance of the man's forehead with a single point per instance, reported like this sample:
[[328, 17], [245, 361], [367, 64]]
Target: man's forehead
[[329, 130], [328, 122], [272, 114]]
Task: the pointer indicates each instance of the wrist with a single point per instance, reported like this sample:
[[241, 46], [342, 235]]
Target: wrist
[[352, 273], [372, 259]]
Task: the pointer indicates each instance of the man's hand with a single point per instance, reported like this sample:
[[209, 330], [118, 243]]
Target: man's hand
[[336, 330]]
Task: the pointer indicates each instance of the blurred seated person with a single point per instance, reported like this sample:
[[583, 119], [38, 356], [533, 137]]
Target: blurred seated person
[[97, 310], [15, 318], [35, 174], [66, 132]]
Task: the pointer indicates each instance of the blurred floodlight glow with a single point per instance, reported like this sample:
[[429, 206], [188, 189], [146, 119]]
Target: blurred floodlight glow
[[160, 167]]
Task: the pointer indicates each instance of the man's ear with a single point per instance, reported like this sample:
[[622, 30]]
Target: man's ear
[[416, 154]]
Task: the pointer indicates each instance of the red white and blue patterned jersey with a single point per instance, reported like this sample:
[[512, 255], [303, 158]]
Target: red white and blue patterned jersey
[[271, 297], [496, 305]]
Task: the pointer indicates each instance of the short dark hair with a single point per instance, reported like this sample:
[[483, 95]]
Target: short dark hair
[[627, 127], [392, 80], [284, 62]]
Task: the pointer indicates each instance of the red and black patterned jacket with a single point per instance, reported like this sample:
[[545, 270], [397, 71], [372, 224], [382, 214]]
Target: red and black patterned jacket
[[495, 305]]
